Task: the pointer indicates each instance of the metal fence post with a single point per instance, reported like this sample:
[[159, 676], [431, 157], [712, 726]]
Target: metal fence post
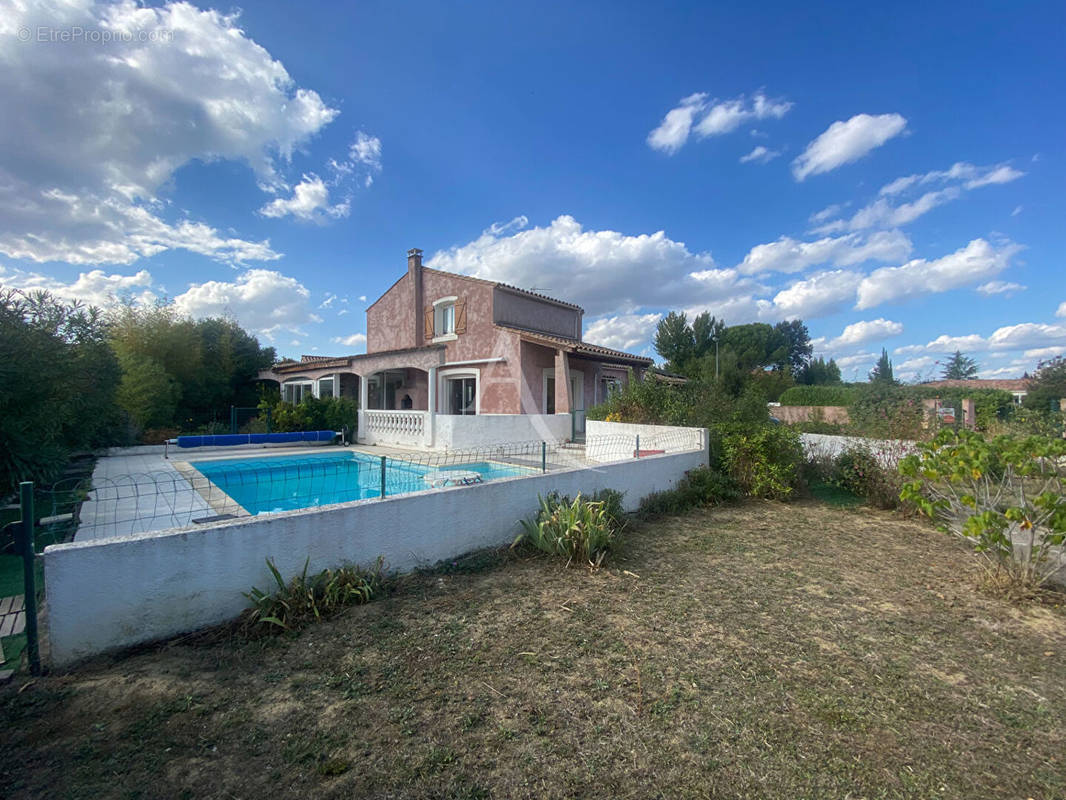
[[233, 419], [636, 453], [383, 477], [26, 548], [543, 456]]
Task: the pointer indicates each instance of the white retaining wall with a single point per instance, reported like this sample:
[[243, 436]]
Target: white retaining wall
[[459, 432], [613, 441], [117, 592]]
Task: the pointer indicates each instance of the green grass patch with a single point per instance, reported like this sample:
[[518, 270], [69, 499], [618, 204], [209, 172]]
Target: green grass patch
[[834, 495]]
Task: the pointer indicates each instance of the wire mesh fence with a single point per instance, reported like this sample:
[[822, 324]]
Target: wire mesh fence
[[186, 494]]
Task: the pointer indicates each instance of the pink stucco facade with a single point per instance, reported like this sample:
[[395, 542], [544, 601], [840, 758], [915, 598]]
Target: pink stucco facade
[[505, 347]]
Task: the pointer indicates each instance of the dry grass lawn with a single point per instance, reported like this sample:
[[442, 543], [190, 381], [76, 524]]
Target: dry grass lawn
[[759, 650]]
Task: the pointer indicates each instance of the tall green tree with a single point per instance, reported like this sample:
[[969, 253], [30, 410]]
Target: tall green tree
[[674, 341], [959, 367], [819, 372], [1048, 385], [681, 344], [795, 339], [181, 373], [882, 371], [57, 384]]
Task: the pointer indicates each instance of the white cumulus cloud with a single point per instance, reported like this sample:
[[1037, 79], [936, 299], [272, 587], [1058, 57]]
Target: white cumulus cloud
[[622, 332], [846, 141], [309, 202], [711, 118], [976, 261], [760, 154], [355, 340], [93, 288], [102, 127], [887, 211], [818, 294], [791, 255], [604, 271], [866, 331], [263, 301], [1000, 287]]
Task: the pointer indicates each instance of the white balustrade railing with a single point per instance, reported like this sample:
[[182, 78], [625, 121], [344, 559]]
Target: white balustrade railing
[[394, 427]]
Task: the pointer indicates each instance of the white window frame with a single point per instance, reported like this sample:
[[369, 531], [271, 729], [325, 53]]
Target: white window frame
[[306, 386], [549, 372], [444, 397], [440, 308], [333, 382]]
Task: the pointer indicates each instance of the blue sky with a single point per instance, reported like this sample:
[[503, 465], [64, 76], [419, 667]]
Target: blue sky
[[892, 175]]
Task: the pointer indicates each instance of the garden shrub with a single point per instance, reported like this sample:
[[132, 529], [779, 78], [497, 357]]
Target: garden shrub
[[579, 530], [763, 461], [695, 404], [1006, 495], [305, 599], [313, 414], [863, 473], [819, 396], [699, 488]]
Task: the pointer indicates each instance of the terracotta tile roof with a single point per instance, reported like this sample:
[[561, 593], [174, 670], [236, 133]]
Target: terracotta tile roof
[[577, 346], [1006, 384]]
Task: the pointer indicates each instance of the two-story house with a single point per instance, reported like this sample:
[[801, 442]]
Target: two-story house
[[441, 345]]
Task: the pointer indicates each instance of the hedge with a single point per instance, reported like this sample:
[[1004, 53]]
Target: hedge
[[819, 396]]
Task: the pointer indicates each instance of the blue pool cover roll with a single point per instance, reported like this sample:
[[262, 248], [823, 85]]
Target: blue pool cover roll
[[230, 439]]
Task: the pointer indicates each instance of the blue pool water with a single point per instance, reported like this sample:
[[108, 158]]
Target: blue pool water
[[265, 485]]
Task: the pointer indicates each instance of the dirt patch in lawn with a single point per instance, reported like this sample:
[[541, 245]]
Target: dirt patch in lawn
[[762, 650]]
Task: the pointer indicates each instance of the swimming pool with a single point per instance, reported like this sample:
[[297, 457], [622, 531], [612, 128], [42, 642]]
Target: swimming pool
[[267, 485]]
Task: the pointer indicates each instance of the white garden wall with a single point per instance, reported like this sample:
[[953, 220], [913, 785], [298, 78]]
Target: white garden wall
[[111, 593], [613, 441], [887, 451], [458, 432]]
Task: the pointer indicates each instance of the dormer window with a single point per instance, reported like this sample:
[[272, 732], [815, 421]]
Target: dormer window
[[445, 319]]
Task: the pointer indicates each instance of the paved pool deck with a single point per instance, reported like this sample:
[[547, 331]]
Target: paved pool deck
[[143, 489]]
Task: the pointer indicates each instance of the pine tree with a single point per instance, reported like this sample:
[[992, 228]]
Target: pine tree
[[960, 368]]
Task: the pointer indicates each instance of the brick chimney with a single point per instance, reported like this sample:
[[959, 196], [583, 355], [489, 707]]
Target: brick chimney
[[414, 272]]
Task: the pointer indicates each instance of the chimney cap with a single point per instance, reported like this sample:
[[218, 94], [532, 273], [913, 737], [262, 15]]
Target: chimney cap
[[414, 251]]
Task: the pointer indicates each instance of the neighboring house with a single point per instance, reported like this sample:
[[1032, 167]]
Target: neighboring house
[[441, 344], [1018, 387]]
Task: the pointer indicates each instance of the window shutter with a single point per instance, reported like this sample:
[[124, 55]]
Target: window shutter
[[460, 316], [427, 329]]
